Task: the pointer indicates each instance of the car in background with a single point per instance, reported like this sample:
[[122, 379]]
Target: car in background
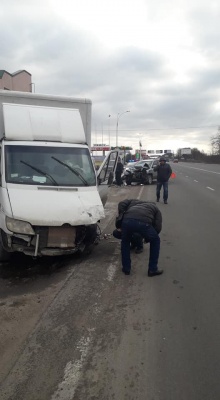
[[175, 160], [141, 172]]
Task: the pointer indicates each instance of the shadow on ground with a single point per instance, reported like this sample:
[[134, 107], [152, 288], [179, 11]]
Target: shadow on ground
[[21, 266]]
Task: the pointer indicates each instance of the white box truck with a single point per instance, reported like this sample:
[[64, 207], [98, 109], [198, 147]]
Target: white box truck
[[49, 189]]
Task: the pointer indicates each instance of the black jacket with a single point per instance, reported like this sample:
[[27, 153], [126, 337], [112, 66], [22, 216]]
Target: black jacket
[[144, 211], [119, 168], [163, 172]]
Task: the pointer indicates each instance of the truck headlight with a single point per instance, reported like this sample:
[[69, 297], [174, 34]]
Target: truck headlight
[[14, 225]]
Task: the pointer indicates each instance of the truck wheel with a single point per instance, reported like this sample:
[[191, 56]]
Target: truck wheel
[[149, 180], [4, 255], [92, 238]]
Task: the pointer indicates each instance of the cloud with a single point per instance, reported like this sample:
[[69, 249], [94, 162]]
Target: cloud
[[166, 72]]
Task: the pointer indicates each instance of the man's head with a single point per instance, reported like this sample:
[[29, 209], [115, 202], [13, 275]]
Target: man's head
[[162, 160]]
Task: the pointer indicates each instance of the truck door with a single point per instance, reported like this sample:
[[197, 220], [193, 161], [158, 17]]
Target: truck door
[[106, 173]]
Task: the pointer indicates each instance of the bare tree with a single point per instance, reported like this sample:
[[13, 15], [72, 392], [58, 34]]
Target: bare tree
[[215, 142]]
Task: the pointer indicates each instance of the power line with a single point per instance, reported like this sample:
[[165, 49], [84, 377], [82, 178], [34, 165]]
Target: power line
[[161, 129]]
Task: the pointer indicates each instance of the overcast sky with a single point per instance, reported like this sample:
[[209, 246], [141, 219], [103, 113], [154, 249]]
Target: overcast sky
[[159, 59]]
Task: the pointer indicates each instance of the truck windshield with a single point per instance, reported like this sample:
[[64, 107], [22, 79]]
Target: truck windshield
[[49, 166]]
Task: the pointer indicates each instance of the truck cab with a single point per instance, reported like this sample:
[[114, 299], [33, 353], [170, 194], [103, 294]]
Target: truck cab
[[50, 194]]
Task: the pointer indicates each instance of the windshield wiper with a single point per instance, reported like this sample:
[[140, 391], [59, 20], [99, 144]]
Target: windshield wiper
[[40, 172], [71, 169]]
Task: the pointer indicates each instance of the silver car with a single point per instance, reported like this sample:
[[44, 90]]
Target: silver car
[[141, 172]]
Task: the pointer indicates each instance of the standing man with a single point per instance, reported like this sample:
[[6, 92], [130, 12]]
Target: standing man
[[144, 218], [118, 172], [163, 175]]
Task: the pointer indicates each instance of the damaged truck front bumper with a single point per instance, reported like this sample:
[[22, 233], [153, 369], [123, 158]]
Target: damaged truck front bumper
[[51, 241]]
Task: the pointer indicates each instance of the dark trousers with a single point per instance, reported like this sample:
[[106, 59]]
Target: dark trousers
[[136, 239], [118, 178], [165, 190], [129, 226]]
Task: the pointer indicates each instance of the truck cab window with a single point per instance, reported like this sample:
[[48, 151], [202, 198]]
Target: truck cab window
[[47, 165]]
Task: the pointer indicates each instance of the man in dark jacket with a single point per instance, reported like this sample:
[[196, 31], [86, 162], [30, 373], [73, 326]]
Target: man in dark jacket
[[164, 172], [118, 172], [144, 218]]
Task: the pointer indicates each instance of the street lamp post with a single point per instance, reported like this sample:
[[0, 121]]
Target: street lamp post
[[118, 116], [140, 145], [109, 138]]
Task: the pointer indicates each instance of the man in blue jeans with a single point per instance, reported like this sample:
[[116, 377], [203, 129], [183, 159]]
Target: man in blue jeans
[[164, 172], [144, 218], [136, 240]]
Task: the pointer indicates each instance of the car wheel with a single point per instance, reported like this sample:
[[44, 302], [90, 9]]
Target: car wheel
[[149, 180]]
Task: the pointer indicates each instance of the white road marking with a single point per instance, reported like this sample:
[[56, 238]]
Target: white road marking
[[111, 272], [201, 169], [140, 193], [196, 181], [207, 187], [72, 373]]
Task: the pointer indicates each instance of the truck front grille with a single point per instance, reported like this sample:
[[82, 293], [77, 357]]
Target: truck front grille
[[62, 237]]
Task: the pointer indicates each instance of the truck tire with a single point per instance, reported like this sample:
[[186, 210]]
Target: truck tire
[[92, 238], [4, 255]]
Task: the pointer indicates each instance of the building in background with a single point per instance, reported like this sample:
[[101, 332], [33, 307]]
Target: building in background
[[141, 154], [19, 81], [159, 153], [101, 147], [187, 151]]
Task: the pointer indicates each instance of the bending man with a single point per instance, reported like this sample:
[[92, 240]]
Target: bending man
[[145, 218]]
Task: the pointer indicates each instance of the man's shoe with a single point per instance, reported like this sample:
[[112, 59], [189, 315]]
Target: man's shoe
[[154, 273], [140, 250], [165, 202], [125, 271]]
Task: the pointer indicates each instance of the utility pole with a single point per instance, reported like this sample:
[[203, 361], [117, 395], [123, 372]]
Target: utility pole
[[118, 116], [140, 145]]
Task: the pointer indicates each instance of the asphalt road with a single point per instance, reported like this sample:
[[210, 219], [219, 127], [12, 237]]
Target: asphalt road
[[87, 331]]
